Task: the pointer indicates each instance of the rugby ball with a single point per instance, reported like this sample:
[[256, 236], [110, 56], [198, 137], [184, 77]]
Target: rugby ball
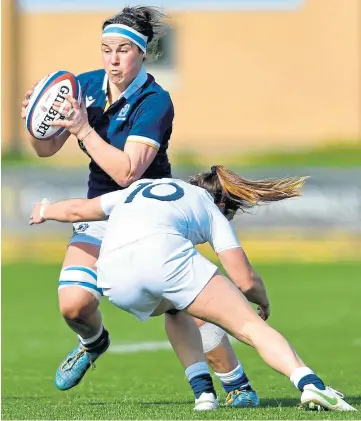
[[40, 111]]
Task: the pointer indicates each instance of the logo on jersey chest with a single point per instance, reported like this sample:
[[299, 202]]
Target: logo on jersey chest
[[89, 100], [122, 116]]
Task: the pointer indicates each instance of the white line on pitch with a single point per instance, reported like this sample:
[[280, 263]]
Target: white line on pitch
[[131, 348]]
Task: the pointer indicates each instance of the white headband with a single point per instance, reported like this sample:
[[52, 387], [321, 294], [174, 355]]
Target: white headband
[[125, 31]]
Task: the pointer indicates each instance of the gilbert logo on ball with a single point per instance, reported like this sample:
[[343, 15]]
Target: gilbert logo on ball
[[40, 111]]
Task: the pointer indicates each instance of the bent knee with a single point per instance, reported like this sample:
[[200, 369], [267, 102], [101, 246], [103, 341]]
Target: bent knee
[[76, 303]]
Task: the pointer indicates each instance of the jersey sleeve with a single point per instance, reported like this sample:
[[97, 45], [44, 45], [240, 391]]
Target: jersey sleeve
[[220, 233], [153, 121], [109, 200]]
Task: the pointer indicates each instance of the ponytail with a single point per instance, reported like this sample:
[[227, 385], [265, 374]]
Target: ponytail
[[239, 193]]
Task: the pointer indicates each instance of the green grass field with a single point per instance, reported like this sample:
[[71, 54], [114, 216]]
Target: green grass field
[[316, 306]]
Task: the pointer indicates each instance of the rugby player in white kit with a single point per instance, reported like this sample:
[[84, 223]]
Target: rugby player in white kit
[[148, 265]]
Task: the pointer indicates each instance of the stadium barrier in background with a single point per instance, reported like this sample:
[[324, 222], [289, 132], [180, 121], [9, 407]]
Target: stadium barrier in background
[[322, 225]]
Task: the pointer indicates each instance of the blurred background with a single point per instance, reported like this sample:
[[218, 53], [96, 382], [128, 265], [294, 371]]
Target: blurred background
[[267, 87]]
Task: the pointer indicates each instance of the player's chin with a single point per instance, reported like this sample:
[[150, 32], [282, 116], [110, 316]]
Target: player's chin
[[116, 78]]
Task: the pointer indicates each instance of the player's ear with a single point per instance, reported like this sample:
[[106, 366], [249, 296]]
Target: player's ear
[[142, 54]]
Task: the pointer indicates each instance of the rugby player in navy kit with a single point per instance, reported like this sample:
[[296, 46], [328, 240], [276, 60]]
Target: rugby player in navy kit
[[123, 124]]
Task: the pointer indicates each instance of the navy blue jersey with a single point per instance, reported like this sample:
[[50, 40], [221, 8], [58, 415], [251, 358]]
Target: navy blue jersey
[[144, 113]]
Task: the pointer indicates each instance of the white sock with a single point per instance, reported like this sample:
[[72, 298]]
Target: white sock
[[87, 341], [298, 373], [233, 375]]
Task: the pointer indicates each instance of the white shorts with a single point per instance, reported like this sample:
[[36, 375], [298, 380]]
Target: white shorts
[[89, 232], [136, 277]]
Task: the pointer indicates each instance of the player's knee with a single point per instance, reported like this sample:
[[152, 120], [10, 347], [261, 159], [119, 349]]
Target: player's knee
[[212, 336], [72, 310], [78, 305], [78, 292]]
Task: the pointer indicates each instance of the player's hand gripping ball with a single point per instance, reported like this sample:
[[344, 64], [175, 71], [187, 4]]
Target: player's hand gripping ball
[[49, 103]]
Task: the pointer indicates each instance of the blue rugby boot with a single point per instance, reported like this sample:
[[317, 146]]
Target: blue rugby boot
[[78, 361], [242, 398]]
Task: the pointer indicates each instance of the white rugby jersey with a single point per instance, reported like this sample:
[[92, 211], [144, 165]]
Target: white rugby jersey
[[165, 206]]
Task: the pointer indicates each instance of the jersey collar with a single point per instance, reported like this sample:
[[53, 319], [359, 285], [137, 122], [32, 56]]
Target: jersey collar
[[137, 83]]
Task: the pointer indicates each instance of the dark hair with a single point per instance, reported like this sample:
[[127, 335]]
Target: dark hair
[[238, 193], [146, 20]]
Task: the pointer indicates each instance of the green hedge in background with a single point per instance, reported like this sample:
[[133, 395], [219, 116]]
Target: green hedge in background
[[335, 154]]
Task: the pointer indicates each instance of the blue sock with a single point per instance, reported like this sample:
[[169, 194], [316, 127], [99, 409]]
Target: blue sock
[[311, 379], [235, 379], [241, 384], [200, 379], [303, 376]]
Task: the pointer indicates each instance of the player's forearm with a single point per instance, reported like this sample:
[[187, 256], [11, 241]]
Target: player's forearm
[[46, 148], [241, 273], [113, 161], [256, 292], [73, 210]]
